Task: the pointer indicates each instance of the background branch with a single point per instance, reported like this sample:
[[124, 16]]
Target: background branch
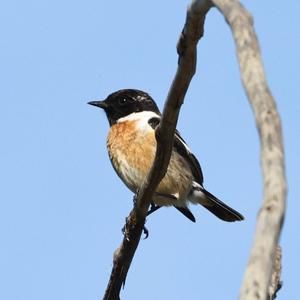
[[186, 48], [276, 284], [259, 271]]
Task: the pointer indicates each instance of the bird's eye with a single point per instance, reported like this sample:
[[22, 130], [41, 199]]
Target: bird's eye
[[123, 101]]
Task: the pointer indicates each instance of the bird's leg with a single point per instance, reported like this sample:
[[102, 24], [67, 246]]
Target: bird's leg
[[153, 208], [126, 228], [127, 225]]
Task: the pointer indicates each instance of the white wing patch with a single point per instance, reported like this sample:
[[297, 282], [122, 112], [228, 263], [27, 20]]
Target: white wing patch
[[183, 143]]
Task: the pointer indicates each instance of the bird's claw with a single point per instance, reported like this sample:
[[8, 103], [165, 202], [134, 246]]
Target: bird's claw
[[126, 227], [146, 232]]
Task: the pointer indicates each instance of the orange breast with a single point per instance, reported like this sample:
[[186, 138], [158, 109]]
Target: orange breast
[[132, 152], [127, 145]]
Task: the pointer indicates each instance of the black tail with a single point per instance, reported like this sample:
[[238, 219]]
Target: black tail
[[219, 208]]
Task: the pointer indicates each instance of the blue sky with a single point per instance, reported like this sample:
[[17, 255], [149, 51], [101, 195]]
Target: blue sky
[[63, 207]]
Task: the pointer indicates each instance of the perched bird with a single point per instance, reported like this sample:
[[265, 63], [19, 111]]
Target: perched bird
[[133, 116]]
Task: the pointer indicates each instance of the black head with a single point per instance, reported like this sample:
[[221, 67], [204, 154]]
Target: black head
[[124, 102]]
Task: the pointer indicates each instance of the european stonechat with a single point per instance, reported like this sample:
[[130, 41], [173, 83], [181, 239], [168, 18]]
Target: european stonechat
[[133, 116]]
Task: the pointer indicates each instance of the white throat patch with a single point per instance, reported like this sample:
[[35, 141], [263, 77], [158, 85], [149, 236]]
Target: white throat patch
[[141, 119], [137, 116]]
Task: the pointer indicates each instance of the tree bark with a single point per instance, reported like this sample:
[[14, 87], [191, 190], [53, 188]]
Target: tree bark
[[257, 279]]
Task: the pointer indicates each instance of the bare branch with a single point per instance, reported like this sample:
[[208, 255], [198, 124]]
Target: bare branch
[[270, 218], [191, 33], [276, 284]]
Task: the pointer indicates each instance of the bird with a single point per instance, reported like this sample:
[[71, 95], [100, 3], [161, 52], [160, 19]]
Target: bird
[[133, 117]]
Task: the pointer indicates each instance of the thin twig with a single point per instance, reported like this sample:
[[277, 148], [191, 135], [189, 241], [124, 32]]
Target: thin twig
[[186, 48], [270, 218]]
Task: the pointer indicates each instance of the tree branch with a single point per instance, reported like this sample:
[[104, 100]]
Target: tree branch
[[276, 284], [186, 48], [270, 218]]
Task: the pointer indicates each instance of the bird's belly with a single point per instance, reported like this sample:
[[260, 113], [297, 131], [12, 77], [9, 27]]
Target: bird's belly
[[132, 154]]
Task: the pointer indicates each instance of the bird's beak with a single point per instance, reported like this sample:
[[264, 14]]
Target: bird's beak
[[101, 104]]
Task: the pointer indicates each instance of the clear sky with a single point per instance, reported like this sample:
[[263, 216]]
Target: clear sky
[[62, 206]]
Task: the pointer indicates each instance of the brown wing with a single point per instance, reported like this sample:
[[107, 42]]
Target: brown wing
[[181, 147]]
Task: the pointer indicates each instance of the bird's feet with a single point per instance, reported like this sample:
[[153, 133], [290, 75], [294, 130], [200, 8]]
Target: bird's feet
[[126, 230]]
